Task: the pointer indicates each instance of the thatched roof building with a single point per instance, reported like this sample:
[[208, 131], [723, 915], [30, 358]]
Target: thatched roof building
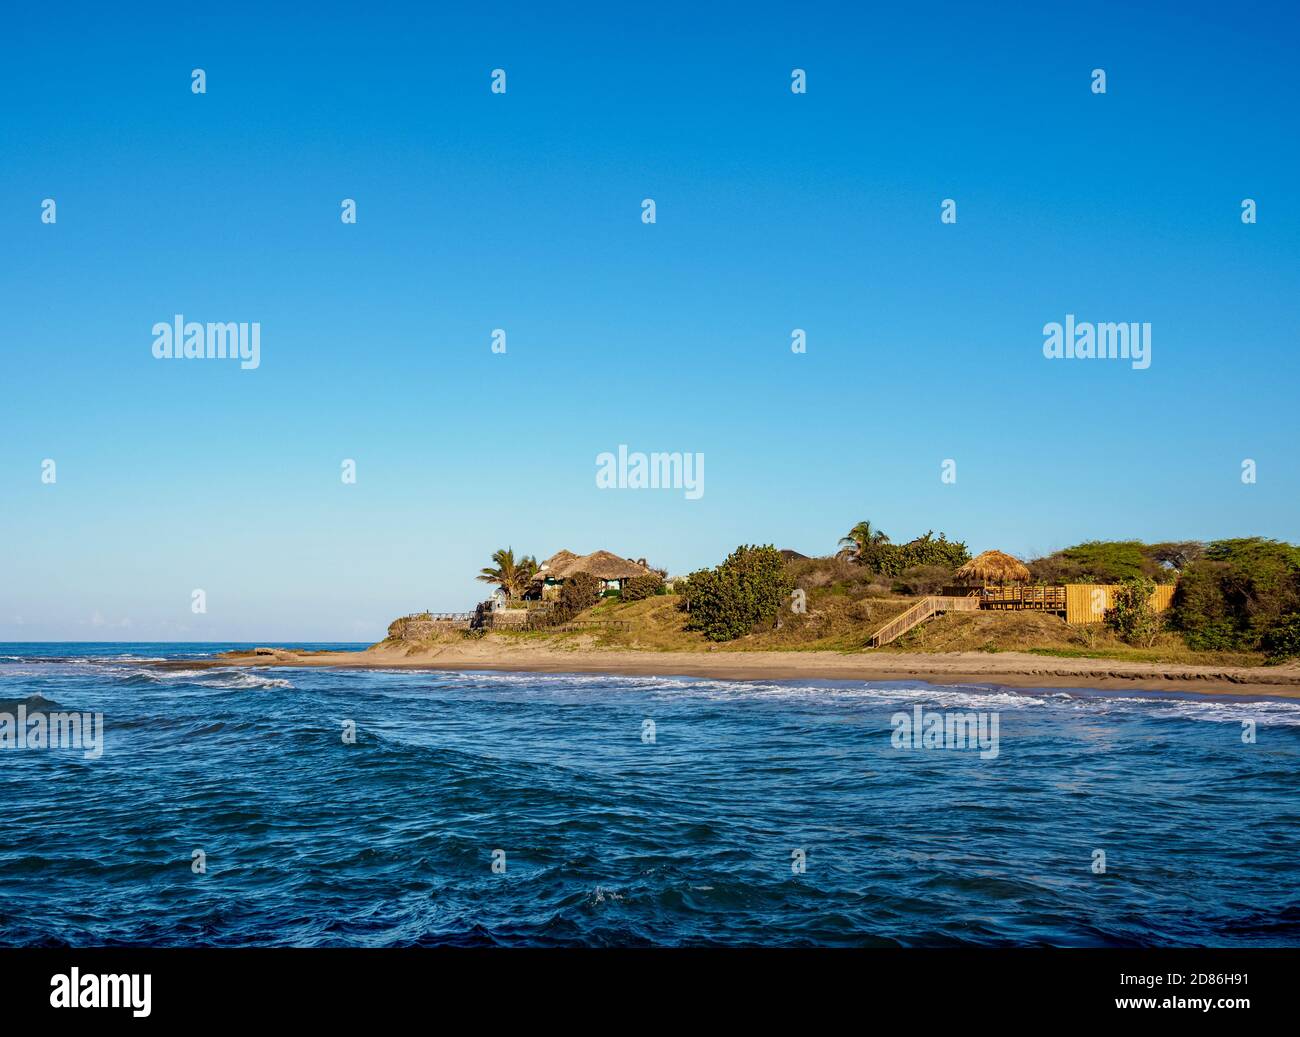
[[993, 567], [556, 565], [606, 566]]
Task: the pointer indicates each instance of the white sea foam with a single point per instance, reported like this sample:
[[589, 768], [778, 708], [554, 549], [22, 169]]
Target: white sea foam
[[225, 679], [120, 668], [876, 695], [1229, 711]]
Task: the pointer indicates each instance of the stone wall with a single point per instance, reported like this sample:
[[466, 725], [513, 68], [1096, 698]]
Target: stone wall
[[417, 628]]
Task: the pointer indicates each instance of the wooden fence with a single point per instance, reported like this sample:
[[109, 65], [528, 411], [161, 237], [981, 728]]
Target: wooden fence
[[1088, 602], [591, 624]]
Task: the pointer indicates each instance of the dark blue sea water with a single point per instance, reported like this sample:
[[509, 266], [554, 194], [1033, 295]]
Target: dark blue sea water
[[612, 840]]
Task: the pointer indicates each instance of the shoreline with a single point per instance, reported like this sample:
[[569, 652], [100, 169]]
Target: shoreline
[[1009, 669]]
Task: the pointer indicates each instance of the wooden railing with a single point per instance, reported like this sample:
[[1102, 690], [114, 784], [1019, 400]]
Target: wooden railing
[[1016, 598], [590, 624], [924, 609], [900, 625]]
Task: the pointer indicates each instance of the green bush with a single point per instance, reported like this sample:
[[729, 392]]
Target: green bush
[[1201, 611], [639, 587], [1114, 561], [1132, 617], [577, 593], [1282, 640], [1237, 592], [745, 590], [928, 550]]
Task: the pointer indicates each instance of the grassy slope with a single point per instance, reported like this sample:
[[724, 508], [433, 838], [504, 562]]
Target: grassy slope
[[1049, 635], [834, 623], [845, 606], [842, 622]]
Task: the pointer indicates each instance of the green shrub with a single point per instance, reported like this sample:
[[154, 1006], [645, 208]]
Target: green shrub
[[745, 590], [929, 550], [577, 593], [1113, 561], [639, 587], [1237, 592], [1132, 617], [1200, 609], [1282, 640]]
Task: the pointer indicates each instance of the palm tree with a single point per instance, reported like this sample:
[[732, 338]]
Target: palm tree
[[510, 575], [527, 570], [857, 546]]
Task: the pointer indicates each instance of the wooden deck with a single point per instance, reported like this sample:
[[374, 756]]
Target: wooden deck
[[1076, 603], [1018, 598]]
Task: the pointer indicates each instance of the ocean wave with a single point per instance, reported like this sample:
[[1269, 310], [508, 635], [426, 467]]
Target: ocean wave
[[991, 696], [689, 838], [222, 679], [226, 679], [1231, 711], [817, 693]]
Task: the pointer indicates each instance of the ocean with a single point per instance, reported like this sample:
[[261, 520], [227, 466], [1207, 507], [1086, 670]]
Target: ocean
[[296, 807]]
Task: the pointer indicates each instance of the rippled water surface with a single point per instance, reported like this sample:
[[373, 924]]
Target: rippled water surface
[[611, 839]]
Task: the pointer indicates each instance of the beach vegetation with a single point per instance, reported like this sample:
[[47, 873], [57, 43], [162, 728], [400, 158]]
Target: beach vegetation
[[837, 575], [579, 592], [1115, 561], [1236, 603], [639, 587], [862, 543], [1282, 640], [928, 550], [745, 591], [872, 549], [1132, 616], [508, 573], [1237, 592], [923, 579]]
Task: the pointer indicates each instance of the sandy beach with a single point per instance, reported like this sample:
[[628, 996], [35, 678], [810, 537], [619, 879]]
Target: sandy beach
[[1013, 669]]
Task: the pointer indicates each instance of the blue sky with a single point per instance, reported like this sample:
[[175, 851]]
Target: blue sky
[[522, 211]]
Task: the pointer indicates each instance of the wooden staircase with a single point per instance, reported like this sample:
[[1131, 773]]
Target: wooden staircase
[[927, 608]]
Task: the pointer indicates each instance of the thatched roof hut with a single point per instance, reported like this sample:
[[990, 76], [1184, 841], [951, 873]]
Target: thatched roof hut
[[604, 565], [993, 567], [555, 565]]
